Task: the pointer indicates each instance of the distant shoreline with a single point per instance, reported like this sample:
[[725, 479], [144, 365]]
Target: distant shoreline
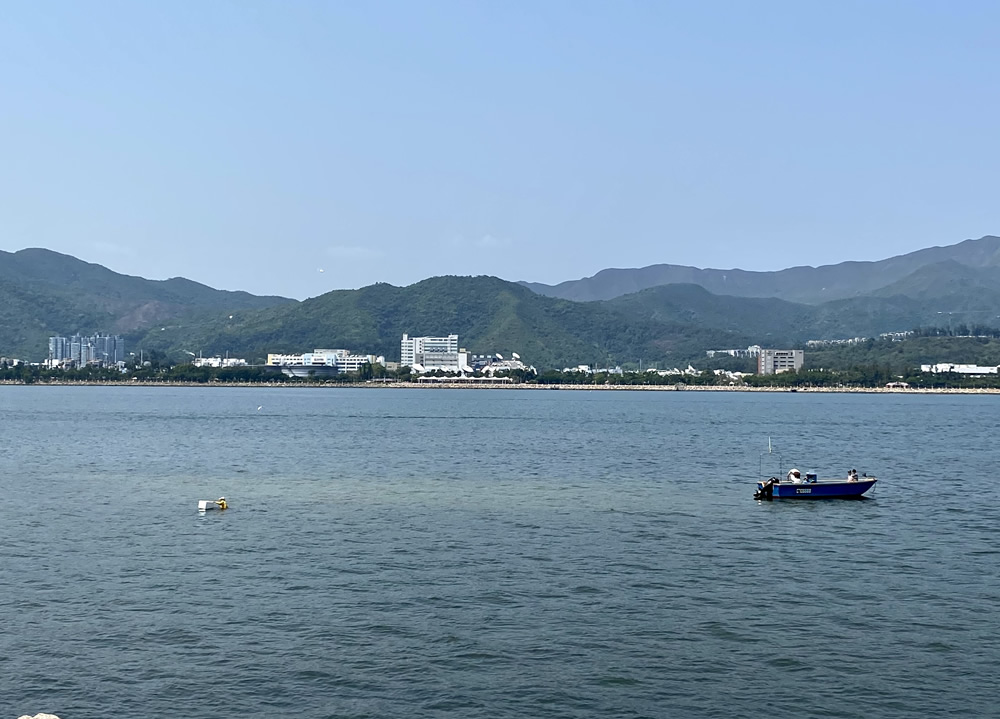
[[537, 387]]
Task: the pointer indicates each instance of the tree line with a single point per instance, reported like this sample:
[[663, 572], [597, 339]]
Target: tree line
[[877, 363], [871, 376]]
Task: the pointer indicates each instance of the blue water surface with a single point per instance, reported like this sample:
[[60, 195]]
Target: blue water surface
[[493, 553]]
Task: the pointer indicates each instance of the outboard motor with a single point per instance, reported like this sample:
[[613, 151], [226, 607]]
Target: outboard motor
[[765, 490]]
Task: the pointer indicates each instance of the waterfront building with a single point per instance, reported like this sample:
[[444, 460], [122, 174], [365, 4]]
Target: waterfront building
[[58, 349], [353, 363], [427, 354], [80, 350], [316, 358], [587, 369], [505, 365], [688, 372], [430, 349], [340, 360], [957, 368], [108, 349], [778, 361], [444, 361], [218, 362]]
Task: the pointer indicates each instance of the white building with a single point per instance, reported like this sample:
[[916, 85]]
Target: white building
[[427, 354], [316, 358], [353, 363], [339, 359], [957, 368], [828, 343], [587, 369], [432, 349], [502, 365], [444, 361], [218, 362], [751, 351], [690, 371], [778, 361]]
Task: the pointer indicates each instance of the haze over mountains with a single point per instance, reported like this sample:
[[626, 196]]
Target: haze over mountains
[[664, 313], [810, 285]]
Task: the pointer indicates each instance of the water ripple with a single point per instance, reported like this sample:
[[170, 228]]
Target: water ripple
[[491, 555]]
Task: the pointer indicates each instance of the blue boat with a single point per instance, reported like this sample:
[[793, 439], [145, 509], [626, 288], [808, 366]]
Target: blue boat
[[795, 485], [774, 488]]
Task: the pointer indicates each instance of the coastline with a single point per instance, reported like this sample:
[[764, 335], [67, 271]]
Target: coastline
[[534, 387]]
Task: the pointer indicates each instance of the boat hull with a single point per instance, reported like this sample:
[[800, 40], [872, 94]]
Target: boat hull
[[824, 489]]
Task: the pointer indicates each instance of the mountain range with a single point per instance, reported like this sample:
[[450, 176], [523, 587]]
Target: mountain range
[[45, 293], [809, 285], [664, 313]]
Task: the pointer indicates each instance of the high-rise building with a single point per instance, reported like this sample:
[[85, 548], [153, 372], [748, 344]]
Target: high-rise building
[[412, 348], [105, 349], [58, 348], [108, 349], [778, 361]]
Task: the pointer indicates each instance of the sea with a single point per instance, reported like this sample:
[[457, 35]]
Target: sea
[[494, 553]]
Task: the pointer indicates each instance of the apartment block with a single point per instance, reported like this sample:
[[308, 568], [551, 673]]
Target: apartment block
[[778, 361]]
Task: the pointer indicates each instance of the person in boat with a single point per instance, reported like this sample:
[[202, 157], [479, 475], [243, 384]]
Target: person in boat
[[852, 475], [794, 476]]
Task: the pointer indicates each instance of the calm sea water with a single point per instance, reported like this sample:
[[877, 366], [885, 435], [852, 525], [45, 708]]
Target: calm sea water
[[462, 553]]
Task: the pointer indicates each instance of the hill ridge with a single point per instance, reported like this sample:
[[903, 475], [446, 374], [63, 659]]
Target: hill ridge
[[810, 285], [43, 293]]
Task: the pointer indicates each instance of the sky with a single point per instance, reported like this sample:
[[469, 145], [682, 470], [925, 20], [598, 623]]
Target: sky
[[296, 147]]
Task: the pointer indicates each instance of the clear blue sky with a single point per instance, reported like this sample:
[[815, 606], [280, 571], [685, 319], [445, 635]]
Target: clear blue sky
[[248, 145]]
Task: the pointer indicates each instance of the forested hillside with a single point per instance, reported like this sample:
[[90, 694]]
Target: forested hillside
[[45, 293], [489, 315], [809, 285]]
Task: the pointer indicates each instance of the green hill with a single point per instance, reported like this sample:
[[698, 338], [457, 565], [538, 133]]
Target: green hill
[[45, 293], [809, 285], [776, 320], [907, 354], [489, 315], [946, 294]]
